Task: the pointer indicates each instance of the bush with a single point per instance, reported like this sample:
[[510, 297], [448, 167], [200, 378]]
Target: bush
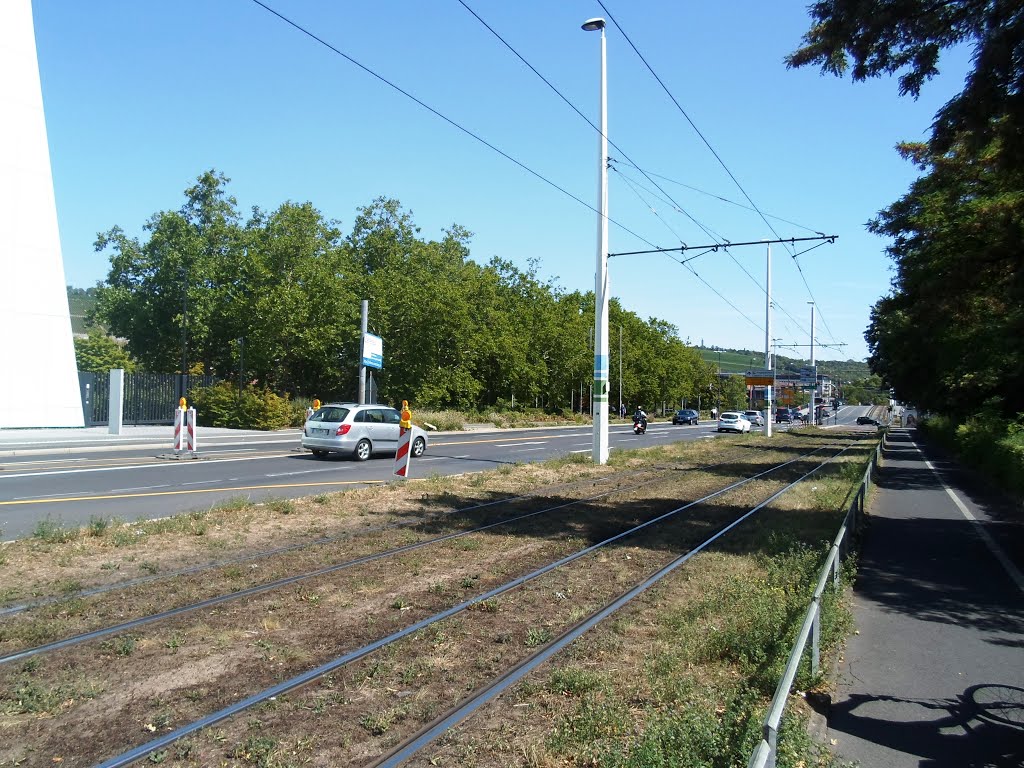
[[221, 405], [986, 441]]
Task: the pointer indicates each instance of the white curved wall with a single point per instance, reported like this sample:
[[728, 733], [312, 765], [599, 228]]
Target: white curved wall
[[38, 374]]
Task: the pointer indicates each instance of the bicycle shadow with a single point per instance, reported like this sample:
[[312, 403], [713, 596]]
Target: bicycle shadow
[[983, 727]]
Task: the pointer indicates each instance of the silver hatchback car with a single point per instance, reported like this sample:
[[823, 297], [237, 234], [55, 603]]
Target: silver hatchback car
[[358, 431]]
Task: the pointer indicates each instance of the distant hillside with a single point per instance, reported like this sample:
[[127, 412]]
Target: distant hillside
[[81, 301], [739, 360]]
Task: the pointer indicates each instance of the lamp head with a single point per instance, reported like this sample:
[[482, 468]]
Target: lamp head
[[593, 25]]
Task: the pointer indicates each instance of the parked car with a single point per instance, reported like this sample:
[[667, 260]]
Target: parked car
[[733, 421], [783, 415], [358, 431], [685, 416], [755, 418], [866, 420]]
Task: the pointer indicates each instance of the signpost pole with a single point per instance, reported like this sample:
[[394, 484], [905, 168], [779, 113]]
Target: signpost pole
[[361, 395]]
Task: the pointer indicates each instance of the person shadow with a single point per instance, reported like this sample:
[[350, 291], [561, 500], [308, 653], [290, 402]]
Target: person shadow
[[983, 727]]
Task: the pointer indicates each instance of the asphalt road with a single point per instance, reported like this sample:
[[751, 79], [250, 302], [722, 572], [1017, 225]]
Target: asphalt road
[[71, 483]]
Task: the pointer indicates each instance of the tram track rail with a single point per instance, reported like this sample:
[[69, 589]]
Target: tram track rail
[[293, 683], [241, 594], [13, 608]]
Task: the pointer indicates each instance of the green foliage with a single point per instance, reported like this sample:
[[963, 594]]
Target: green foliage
[[951, 335], [53, 532], [221, 406], [100, 354], [278, 295], [883, 37], [987, 442]]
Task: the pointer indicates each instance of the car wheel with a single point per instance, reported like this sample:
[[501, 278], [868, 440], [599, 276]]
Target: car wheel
[[319, 454], [419, 447], [362, 451]]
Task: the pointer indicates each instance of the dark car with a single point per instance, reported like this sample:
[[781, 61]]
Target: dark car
[[783, 414], [685, 416], [866, 420]]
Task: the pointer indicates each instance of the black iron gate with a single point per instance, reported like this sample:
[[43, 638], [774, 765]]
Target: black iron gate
[[149, 398]]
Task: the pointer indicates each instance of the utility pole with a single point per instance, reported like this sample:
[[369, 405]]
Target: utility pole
[[768, 341], [620, 370], [814, 371], [363, 325], [241, 365]]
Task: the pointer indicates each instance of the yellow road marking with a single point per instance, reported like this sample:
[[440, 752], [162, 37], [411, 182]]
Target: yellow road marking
[[127, 463], [191, 490]]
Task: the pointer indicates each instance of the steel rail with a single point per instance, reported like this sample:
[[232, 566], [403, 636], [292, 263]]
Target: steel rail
[[286, 581], [141, 751], [20, 607], [481, 696]]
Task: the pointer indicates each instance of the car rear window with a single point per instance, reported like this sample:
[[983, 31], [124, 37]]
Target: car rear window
[[330, 414]]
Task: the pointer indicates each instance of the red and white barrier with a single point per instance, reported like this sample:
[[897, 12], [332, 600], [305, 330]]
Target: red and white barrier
[[185, 430], [403, 454]]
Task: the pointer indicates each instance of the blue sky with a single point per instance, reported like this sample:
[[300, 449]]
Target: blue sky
[[141, 98]]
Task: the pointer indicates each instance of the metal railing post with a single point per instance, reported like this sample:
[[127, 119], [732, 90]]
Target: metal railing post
[[771, 736], [816, 641], [835, 565]]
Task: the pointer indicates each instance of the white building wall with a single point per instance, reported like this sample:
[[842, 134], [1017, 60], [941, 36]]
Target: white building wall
[[39, 378]]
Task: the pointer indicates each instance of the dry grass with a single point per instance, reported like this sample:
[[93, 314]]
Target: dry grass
[[689, 664]]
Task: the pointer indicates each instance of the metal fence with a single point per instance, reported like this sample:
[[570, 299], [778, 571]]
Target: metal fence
[[763, 755], [149, 398]]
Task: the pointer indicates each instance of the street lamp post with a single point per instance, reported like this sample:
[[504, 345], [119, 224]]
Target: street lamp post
[[600, 390], [719, 382]]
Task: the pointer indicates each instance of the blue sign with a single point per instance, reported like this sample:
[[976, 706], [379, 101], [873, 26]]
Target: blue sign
[[373, 351]]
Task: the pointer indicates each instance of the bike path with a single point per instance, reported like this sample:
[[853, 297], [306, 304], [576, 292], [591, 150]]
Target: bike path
[[934, 676]]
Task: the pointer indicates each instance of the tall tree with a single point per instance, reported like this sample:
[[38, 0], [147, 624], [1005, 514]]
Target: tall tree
[[907, 36], [164, 294], [951, 334]]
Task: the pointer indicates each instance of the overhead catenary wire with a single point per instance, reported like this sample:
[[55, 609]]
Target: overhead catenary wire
[[444, 117], [633, 184], [682, 111], [665, 196], [714, 196], [483, 141], [707, 143], [685, 262], [575, 109]]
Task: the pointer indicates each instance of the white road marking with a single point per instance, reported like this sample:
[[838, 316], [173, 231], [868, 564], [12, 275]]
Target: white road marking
[[306, 471], [169, 462], [997, 551], [516, 445]]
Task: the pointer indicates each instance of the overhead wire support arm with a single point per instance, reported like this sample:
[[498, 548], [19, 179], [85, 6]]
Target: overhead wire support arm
[[716, 246]]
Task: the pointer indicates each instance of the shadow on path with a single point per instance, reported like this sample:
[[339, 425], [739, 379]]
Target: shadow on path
[[983, 727]]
